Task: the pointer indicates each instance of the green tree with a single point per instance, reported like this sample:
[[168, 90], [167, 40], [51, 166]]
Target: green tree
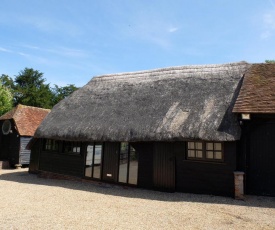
[[7, 81], [5, 99], [270, 61], [30, 89], [60, 93]]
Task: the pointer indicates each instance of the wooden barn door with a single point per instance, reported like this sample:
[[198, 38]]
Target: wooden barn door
[[110, 161], [5, 142], [261, 161], [164, 167]]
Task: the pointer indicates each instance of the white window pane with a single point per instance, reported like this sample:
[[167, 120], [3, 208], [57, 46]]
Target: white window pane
[[209, 146], [218, 155], [191, 145], [199, 154], [218, 146], [209, 155], [199, 145], [191, 153]]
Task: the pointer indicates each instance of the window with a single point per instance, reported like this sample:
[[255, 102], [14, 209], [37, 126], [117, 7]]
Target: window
[[71, 147], [6, 127], [51, 145], [128, 164], [93, 160], [208, 151]]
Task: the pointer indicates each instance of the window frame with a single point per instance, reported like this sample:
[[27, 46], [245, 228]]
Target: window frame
[[51, 145], [205, 150], [48, 146], [73, 144], [121, 157]]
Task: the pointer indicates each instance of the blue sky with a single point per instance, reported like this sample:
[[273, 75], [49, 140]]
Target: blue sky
[[71, 41]]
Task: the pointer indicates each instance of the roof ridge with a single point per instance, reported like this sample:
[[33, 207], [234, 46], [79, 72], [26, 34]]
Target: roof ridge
[[184, 68], [29, 106], [172, 71]]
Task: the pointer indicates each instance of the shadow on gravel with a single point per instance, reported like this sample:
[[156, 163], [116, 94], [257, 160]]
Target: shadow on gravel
[[116, 190]]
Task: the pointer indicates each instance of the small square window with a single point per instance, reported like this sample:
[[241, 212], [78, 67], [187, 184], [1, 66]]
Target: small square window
[[191, 145], [199, 145], [208, 151], [218, 155], [51, 145], [191, 153], [199, 154], [218, 146], [71, 147], [209, 154], [209, 146]]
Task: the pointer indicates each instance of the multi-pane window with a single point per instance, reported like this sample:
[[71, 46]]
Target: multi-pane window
[[195, 149], [128, 164], [94, 160], [51, 145], [209, 151], [214, 151], [71, 147]]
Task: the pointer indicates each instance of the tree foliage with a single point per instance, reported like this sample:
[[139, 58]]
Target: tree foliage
[[30, 88], [60, 93], [7, 81], [270, 61], [5, 99]]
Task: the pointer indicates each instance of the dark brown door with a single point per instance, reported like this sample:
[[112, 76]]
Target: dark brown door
[[110, 161], [5, 143], [164, 167], [261, 160]]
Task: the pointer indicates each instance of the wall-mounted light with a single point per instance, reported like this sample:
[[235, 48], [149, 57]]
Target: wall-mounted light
[[245, 116]]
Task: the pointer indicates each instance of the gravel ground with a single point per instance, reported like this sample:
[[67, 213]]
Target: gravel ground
[[29, 202]]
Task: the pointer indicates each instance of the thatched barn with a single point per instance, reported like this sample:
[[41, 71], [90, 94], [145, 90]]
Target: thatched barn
[[256, 108], [168, 129], [17, 128]]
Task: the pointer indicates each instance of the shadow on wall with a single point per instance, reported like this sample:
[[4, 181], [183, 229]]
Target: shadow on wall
[[23, 176]]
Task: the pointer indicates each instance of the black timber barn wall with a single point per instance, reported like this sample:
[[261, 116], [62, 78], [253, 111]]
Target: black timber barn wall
[[189, 176], [10, 145], [35, 154], [110, 161], [206, 177], [61, 163], [257, 154], [185, 175], [145, 164]]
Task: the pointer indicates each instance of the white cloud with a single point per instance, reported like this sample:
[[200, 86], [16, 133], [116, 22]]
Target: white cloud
[[173, 29], [61, 51], [5, 50], [24, 54]]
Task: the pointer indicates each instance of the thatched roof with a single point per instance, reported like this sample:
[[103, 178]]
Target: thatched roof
[[257, 93], [26, 118], [178, 103]]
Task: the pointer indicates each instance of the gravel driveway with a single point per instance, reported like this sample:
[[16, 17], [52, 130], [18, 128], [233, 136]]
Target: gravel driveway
[[29, 202]]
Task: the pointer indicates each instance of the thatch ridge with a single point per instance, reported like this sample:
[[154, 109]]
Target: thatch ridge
[[173, 71], [177, 103]]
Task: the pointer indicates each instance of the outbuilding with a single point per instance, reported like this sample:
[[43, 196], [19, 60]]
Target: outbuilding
[[17, 128], [169, 129], [256, 108]]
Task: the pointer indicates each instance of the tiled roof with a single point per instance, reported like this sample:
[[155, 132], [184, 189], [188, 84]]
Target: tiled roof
[[257, 94], [26, 118]]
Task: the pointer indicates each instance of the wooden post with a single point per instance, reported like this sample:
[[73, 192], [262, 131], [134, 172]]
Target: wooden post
[[4, 165], [239, 185]]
